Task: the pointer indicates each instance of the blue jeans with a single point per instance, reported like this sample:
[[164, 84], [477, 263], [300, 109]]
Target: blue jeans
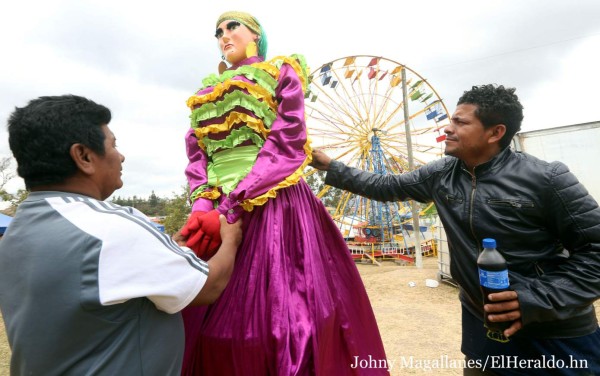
[[577, 356]]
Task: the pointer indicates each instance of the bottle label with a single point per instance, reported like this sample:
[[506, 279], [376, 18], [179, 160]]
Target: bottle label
[[494, 280]]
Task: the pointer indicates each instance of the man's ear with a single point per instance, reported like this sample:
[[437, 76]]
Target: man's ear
[[83, 158], [497, 132]]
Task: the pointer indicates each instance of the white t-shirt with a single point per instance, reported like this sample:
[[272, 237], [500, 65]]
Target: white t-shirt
[[89, 287], [136, 260]]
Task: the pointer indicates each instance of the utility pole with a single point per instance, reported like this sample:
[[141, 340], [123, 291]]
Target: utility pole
[[411, 167]]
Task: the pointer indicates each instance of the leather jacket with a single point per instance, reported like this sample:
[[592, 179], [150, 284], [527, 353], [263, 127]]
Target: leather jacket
[[546, 225]]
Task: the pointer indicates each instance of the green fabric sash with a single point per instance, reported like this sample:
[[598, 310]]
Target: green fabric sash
[[230, 166]]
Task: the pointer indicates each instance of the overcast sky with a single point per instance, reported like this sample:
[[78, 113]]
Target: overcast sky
[[144, 59]]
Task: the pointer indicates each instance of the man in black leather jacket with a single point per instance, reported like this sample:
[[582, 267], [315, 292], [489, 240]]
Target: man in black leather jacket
[[546, 224]]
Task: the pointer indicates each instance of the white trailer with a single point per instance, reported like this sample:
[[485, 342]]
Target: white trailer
[[577, 146]]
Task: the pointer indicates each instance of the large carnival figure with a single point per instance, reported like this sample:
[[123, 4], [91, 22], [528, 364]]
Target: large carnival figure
[[295, 304]]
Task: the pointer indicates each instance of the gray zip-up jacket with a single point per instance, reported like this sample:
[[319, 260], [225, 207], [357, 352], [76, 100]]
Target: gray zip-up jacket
[[546, 225]]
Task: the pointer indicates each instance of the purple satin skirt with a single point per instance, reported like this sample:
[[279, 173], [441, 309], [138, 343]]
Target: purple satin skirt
[[295, 304]]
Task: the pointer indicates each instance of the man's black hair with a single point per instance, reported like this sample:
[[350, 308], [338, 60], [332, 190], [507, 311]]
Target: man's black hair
[[41, 134], [496, 105]]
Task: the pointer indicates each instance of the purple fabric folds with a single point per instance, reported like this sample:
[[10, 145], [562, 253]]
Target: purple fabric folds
[[295, 304]]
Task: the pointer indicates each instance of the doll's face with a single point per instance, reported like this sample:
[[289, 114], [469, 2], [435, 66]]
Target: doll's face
[[233, 38]]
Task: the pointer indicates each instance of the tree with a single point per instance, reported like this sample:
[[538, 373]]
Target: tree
[[316, 182], [6, 174], [155, 205], [15, 201], [121, 201], [177, 211]]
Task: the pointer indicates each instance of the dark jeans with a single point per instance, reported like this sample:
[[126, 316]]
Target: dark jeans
[[528, 356]]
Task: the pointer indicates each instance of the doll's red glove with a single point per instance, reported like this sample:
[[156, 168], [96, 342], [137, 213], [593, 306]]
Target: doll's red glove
[[202, 231], [192, 225]]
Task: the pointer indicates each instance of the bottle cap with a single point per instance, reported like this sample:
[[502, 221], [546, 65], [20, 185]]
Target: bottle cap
[[489, 243]]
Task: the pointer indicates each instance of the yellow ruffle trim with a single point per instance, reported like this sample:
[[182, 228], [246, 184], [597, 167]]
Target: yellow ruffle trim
[[293, 179], [233, 118], [295, 64], [257, 91], [249, 204], [235, 138], [211, 195], [267, 67], [255, 124]]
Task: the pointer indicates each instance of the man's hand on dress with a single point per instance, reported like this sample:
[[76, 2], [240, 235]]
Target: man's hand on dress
[[320, 160]]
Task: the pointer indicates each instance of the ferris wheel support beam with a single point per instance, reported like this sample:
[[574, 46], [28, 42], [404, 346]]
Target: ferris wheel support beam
[[411, 166]]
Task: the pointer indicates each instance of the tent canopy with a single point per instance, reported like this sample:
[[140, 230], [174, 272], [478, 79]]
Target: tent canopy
[[4, 221]]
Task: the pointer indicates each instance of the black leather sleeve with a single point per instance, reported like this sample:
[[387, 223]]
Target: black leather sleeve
[[574, 216], [417, 185]]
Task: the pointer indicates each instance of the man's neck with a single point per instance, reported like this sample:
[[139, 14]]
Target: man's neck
[[484, 158], [71, 185]]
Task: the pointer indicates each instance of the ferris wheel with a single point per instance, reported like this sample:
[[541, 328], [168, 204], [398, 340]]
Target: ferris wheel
[[377, 115]]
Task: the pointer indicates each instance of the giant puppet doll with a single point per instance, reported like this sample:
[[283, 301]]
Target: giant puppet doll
[[295, 304]]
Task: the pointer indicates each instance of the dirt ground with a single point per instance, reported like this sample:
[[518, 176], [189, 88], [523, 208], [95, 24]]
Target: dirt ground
[[418, 322], [420, 325]]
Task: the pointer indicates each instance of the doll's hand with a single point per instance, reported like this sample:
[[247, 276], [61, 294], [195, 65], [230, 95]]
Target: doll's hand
[[191, 225], [202, 233]]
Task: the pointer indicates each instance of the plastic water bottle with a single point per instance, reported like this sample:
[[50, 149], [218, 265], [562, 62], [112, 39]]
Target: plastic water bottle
[[493, 277]]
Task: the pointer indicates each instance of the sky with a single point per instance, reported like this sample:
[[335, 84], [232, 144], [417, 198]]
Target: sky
[[144, 59]]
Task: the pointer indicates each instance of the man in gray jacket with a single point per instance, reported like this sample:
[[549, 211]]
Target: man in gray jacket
[[88, 287], [546, 224]]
